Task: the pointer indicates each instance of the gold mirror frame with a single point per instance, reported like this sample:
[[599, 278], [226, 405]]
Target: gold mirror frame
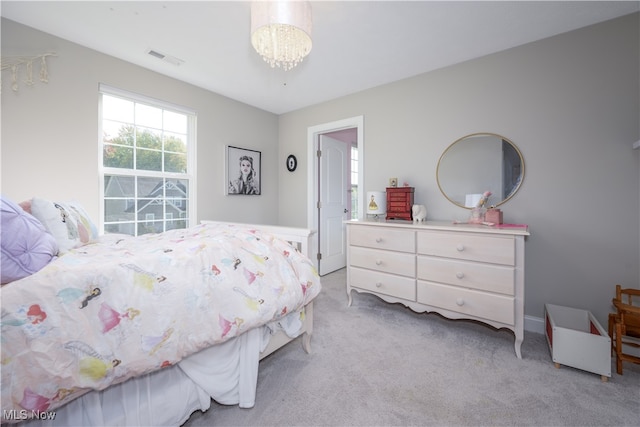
[[466, 167]]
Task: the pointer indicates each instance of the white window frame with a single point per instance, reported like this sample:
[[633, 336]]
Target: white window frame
[[191, 173]]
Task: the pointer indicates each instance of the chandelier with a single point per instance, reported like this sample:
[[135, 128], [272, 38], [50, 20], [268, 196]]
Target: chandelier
[[281, 31]]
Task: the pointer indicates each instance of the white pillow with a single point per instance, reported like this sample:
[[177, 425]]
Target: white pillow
[[68, 222]]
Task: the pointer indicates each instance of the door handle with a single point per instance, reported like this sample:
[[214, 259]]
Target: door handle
[[346, 210]]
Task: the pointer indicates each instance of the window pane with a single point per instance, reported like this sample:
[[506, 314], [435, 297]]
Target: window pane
[[354, 202], [149, 187], [150, 227], [175, 162], [177, 209], [177, 188], [172, 225], [123, 135], [116, 210], [119, 186], [117, 109], [175, 122], [148, 116], [148, 160], [150, 209], [175, 142], [176, 205], [121, 228], [116, 133], [148, 138], [117, 157]]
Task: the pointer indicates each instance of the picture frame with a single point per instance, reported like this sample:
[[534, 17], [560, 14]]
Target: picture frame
[[393, 182], [243, 169]]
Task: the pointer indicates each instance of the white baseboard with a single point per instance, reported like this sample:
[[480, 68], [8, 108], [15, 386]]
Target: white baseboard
[[534, 324]]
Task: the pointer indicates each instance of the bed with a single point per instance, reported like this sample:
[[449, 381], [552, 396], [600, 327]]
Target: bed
[[123, 330]]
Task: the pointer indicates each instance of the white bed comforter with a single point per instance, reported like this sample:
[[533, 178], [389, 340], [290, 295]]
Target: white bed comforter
[[125, 306]]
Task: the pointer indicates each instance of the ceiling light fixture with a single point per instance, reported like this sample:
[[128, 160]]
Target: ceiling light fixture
[[281, 31]]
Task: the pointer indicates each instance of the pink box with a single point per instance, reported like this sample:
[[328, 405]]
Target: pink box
[[494, 216]]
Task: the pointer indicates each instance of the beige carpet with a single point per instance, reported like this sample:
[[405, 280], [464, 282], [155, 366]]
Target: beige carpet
[[380, 364]]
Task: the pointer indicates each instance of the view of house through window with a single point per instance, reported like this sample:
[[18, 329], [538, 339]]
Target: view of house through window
[[146, 164]]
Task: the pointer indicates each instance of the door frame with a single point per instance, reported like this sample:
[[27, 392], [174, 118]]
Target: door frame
[[313, 140]]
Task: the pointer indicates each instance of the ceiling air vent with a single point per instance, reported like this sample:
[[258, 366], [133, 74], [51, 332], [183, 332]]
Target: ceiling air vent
[[167, 58]]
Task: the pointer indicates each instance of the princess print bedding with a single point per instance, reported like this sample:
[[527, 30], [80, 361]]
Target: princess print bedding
[[125, 306]]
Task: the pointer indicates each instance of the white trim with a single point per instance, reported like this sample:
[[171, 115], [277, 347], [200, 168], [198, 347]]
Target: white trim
[[534, 324], [104, 88], [313, 133]]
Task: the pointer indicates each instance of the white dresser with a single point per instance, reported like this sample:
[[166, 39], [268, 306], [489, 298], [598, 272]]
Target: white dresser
[[460, 271]]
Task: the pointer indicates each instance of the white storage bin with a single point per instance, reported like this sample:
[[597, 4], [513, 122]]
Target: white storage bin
[[576, 339]]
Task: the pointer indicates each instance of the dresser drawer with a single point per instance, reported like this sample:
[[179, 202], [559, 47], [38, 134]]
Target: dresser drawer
[[466, 246], [484, 277], [385, 261], [383, 283], [400, 206], [383, 238], [494, 307]]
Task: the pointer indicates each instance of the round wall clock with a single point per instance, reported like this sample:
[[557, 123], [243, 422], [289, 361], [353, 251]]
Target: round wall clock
[[292, 163]]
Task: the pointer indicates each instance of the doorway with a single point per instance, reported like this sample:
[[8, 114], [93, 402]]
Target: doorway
[[336, 158]]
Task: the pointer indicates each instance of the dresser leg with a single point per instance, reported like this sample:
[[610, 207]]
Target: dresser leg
[[349, 296], [518, 344]]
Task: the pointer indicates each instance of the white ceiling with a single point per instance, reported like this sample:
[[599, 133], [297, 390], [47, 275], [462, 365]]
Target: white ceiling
[[356, 44]]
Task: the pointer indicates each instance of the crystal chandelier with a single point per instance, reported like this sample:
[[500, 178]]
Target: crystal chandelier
[[281, 31]]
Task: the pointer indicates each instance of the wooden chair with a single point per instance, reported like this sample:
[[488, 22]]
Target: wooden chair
[[624, 325]]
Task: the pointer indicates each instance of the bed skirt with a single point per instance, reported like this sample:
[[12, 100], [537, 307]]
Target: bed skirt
[[226, 372]]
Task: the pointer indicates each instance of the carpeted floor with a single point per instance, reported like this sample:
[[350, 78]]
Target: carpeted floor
[[380, 364]]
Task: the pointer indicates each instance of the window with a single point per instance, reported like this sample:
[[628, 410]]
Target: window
[[354, 181], [147, 164]]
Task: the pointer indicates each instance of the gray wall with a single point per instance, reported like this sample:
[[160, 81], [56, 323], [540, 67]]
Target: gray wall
[[570, 103], [49, 131]]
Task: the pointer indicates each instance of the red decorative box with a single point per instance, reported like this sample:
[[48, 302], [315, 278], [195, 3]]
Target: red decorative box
[[399, 202], [494, 216]]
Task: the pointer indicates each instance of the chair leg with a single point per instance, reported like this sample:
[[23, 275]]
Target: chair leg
[[618, 349], [612, 318]]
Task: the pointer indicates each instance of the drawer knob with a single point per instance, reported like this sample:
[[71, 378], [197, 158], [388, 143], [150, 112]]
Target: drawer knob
[[378, 239], [460, 302], [460, 248], [459, 274], [378, 262], [378, 285]]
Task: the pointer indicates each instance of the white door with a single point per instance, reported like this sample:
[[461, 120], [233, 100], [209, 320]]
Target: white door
[[333, 204]]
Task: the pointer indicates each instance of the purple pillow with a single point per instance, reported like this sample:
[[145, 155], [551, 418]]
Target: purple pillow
[[26, 245]]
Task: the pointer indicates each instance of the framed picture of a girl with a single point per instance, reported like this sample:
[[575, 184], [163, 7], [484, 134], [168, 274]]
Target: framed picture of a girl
[[243, 171]]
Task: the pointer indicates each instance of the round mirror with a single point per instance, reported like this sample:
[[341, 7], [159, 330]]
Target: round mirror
[[478, 163]]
